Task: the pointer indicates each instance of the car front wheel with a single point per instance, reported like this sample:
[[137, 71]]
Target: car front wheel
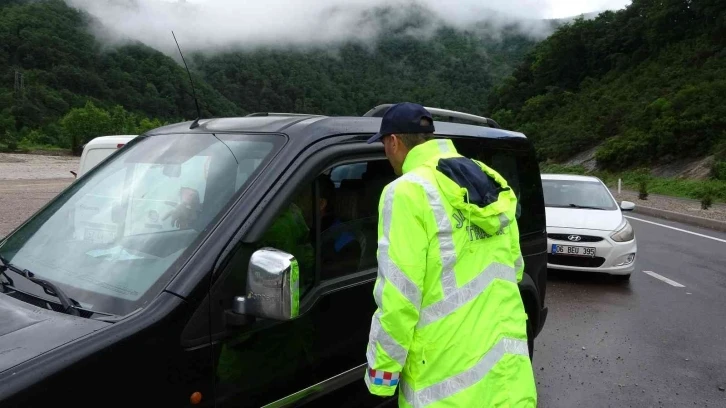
[[621, 278]]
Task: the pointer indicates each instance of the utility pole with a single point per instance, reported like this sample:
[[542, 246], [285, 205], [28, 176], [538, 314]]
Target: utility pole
[[19, 85]]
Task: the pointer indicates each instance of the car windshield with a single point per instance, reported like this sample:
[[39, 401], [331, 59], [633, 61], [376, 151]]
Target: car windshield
[[577, 194], [114, 238]]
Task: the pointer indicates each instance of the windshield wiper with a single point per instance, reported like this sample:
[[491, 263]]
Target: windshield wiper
[[3, 267], [585, 207], [49, 287], [8, 281]]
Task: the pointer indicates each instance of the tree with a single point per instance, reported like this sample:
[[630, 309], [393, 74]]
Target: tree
[[83, 124], [148, 124], [644, 85], [8, 137]]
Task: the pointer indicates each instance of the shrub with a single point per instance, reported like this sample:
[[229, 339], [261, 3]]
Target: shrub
[[642, 177], [706, 194], [643, 190], [561, 168], [718, 170]]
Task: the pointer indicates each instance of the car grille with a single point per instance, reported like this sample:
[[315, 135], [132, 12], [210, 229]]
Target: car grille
[[585, 238], [579, 261]]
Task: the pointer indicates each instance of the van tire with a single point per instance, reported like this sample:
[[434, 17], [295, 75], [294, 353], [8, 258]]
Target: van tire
[[530, 339]]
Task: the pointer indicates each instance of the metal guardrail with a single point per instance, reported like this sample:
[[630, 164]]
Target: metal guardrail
[[706, 223], [685, 200]]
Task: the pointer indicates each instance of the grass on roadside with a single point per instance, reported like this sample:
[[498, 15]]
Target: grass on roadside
[[685, 188], [23, 147]]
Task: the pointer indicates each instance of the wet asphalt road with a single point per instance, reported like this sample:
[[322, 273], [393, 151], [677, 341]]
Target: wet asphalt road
[[645, 343]]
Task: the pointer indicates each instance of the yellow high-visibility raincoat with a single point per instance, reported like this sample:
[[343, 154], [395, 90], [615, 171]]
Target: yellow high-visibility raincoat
[[450, 327]]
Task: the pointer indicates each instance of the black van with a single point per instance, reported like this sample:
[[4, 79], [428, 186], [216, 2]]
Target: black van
[[226, 263]]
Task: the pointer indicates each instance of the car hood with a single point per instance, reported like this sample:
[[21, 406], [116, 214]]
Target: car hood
[[583, 219], [27, 331]]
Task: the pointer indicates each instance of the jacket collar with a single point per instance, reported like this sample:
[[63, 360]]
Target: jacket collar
[[426, 151]]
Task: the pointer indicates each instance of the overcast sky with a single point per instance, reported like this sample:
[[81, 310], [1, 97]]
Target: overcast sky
[[566, 8], [214, 24], [543, 8]]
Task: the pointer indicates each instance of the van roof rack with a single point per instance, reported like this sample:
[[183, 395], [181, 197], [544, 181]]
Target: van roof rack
[[451, 115], [278, 114]]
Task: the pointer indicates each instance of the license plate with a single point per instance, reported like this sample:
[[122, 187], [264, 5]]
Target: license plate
[[98, 236], [573, 250]]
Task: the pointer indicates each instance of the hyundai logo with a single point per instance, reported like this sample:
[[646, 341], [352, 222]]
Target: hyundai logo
[[574, 238]]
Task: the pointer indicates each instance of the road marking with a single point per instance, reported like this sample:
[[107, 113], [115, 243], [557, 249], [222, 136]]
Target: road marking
[[664, 279], [678, 229]]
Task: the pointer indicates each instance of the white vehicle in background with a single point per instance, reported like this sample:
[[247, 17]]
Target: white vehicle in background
[[97, 215], [586, 230], [98, 149]]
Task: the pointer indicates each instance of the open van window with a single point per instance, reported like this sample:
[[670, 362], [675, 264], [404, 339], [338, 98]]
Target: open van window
[[109, 240]]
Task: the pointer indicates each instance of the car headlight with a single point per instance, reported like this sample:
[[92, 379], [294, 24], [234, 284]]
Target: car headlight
[[624, 232]]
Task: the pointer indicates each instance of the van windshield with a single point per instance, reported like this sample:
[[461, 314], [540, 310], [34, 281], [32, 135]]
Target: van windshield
[[113, 239]]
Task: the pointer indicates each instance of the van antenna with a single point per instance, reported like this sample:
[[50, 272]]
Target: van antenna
[[199, 113]]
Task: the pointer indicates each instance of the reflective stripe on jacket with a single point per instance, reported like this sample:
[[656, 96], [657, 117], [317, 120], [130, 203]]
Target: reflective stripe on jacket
[[450, 327]]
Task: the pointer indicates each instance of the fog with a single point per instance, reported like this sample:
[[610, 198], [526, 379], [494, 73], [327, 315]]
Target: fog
[[213, 25]]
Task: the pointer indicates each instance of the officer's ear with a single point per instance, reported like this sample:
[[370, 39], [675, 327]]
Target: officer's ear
[[394, 142]]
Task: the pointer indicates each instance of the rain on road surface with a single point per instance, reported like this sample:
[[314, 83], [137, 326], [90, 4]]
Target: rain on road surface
[[658, 341], [643, 344]]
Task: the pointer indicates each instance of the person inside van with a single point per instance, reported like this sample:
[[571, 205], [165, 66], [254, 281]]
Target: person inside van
[[340, 250]]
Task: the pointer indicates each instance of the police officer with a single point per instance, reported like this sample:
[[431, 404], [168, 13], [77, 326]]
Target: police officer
[[450, 325]]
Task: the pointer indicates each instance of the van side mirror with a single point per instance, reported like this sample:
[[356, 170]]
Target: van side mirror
[[272, 286], [627, 206]]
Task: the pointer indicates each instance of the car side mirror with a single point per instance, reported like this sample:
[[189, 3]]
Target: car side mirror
[[627, 206], [272, 286]]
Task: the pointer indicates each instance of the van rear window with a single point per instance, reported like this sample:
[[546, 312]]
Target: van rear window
[[515, 160]]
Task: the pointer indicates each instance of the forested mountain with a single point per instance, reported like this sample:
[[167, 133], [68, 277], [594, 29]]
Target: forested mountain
[[646, 84], [74, 87], [453, 69], [63, 67]]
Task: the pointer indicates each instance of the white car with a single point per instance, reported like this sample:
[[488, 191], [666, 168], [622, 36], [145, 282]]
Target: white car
[[586, 230], [98, 149]]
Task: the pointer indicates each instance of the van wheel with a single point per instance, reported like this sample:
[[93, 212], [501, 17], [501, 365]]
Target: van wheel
[[530, 339]]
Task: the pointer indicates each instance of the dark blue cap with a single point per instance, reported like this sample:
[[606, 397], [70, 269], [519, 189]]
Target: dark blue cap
[[404, 118]]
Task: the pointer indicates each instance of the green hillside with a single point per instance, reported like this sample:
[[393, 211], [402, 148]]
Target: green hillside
[[74, 87], [454, 69], [646, 84], [63, 67]]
